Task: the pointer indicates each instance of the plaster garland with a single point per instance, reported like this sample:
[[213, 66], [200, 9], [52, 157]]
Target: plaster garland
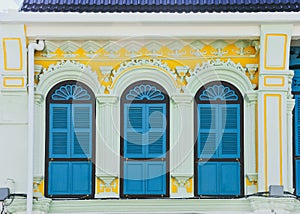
[[63, 64]]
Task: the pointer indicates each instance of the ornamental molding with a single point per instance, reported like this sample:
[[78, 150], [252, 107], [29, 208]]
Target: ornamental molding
[[109, 82], [142, 92], [67, 65], [219, 64], [218, 92], [142, 62], [71, 92]]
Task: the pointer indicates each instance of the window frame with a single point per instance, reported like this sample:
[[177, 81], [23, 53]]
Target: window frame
[[49, 101], [124, 101], [197, 159]]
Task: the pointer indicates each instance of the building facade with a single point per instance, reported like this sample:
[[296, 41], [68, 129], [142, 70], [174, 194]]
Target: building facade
[[187, 113]]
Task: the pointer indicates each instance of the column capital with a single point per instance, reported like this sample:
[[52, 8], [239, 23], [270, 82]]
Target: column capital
[[251, 96], [182, 98], [105, 99]]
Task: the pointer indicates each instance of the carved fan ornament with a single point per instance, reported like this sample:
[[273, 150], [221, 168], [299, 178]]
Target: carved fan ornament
[[71, 92], [220, 92], [147, 92]]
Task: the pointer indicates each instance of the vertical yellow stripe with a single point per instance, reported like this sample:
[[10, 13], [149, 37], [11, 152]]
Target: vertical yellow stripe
[[265, 143]]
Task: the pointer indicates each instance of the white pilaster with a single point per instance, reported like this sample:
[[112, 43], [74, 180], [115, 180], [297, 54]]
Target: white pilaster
[[107, 141], [250, 138], [273, 140], [182, 142]]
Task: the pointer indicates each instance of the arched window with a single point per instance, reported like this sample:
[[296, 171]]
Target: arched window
[[295, 65], [144, 141], [219, 134], [70, 141]]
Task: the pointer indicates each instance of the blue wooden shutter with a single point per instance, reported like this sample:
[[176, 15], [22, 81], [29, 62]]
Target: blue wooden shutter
[[208, 178], [229, 178], [81, 131], [134, 130], [155, 130], [81, 178], [59, 133], [134, 182], [297, 175], [155, 179], [297, 125], [229, 123], [207, 131], [59, 178]]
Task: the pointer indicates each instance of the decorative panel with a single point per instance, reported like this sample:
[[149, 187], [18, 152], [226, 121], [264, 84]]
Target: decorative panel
[[12, 48]]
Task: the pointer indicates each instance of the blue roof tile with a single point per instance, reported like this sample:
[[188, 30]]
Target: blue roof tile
[[161, 6]]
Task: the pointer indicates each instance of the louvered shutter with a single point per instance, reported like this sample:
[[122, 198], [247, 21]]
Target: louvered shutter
[[229, 123], [81, 178], [155, 179], [229, 178], [134, 130], [59, 178], [207, 131], [134, 182], [59, 132], [155, 130], [297, 175], [297, 125], [208, 178], [81, 131]]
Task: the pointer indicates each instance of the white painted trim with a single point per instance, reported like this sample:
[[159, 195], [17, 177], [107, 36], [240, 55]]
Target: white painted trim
[[119, 30], [144, 73], [261, 17], [223, 71], [67, 70]]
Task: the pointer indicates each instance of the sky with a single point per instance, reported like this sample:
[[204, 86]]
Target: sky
[[9, 4]]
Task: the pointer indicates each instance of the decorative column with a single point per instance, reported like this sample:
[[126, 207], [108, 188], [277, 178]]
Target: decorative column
[[290, 106], [181, 146], [107, 147], [273, 168], [39, 147], [250, 143]]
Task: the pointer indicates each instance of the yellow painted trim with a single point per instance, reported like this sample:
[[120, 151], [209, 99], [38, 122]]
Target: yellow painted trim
[[265, 137], [5, 79], [274, 85], [145, 66], [5, 54], [266, 48]]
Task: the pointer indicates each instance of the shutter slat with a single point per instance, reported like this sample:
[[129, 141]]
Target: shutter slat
[[156, 130], [82, 130], [230, 132], [297, 125], [207, 131], [59, 132], [134, 130]]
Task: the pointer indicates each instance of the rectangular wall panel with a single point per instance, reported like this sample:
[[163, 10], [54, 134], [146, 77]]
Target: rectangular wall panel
[[274, 81], [275, 51], [273, 139], [12, 50], [13, 82]]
